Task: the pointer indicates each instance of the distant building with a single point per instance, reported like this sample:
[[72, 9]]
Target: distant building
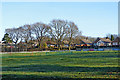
[[102, 42], [65, 43], [116, 41], [51, 44], [85, 42]]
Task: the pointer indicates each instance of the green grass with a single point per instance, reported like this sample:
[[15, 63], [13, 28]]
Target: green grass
[[61, 65]]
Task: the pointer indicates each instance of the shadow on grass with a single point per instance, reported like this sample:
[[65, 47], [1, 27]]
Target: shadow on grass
[[97, 56], [34, 77], [58, 68], [69, 53]]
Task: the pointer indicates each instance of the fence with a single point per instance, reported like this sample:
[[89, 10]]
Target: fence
[[23, 47], [98, 48], [12, 47]]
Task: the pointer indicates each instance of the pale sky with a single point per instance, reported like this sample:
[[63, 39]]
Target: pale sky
[[95, 19], [59, 0]]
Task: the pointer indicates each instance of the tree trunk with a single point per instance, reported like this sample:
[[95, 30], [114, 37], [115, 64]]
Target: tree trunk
[[40, 40], [70, 42], [59, 47], [69, 47], [39, 45]]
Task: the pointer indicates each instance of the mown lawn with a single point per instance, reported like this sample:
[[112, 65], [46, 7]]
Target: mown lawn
[[75, 65]]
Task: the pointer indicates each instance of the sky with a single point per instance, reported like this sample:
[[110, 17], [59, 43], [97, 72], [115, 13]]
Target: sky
[[60, 0], [95, 19]]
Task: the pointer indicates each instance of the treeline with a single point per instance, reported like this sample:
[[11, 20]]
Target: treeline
[[57, 30]]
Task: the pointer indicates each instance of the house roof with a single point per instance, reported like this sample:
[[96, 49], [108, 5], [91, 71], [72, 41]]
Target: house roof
[[77, 45], [65, 42], [102, 39], [85, 45], [86, 41], [117, 39], [105, 40]]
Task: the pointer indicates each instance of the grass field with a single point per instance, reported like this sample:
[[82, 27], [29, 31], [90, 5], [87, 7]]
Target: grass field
[[60, 65]]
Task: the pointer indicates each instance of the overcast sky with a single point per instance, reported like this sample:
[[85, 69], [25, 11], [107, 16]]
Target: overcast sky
[[95, 19]]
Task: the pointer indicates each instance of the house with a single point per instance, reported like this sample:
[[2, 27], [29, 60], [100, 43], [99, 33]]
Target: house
[[102, 42], [22, 45], [51, 44], [116, 41], [85, 42], [65, 43]]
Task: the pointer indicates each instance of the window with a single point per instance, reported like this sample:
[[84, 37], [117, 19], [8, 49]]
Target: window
[[115, 43]]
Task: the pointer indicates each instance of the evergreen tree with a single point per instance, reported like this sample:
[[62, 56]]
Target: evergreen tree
[[6, 38], [112, 37]]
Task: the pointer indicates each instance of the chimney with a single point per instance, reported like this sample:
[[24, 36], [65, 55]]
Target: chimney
[[86, 38]]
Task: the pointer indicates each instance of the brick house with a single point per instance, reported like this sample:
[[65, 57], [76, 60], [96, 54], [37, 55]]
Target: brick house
[[116, 41], [85, 42], [102, 42], [51, 44]]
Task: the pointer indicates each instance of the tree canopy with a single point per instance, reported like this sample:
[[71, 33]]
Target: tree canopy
[[6, 39]]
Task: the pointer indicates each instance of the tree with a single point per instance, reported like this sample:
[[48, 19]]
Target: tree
[[112, 37], [40, 30], [21, 33], [58, 29], [92, 39], [27, 32], [6, 39], [14, 34], [44, 45], [72, 31]]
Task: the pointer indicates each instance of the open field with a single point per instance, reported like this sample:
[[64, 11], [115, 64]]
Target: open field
[[60, 65]]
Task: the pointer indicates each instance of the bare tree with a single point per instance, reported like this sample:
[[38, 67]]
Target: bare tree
[[27, 32], [21, 33], [58, 30], [72, 32], [40, 30]]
